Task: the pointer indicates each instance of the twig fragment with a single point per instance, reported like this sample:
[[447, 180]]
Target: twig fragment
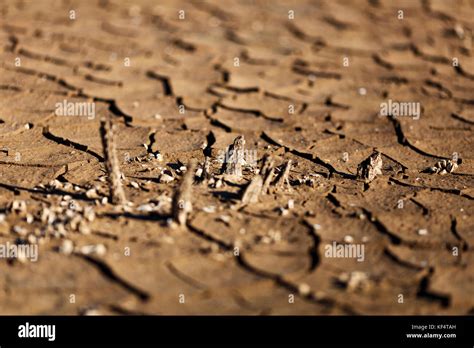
[[283, 178], [206, 172], [234, 158], [369, 168], [267, 173], [117, 194], [253, 190], [182, 204]]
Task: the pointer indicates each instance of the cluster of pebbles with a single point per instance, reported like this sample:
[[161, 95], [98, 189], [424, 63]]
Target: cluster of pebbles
[[56, 220], [443, 167], [53, 221]]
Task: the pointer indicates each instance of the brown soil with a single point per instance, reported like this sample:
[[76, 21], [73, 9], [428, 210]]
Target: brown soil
[[229, 257]]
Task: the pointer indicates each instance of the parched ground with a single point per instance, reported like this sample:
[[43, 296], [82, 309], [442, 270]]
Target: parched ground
[[302, 81]]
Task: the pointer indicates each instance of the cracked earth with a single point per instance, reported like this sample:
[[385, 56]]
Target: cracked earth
[[182, 80]]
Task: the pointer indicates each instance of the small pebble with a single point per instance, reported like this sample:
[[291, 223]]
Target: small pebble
[[67, 247], [20, 230], [291, 204], [422, 232], [92, 193], [29, 218], [165, 178], [18, 206], [225, 218], [209, 209], [355, 280], [348, 239], [304, 289]]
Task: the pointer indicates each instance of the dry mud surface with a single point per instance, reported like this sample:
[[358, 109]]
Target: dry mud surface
[[186, 84]]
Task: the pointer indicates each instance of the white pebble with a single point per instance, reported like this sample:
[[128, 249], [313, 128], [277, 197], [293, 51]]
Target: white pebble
[[304, 289], [291, 204], [348, 239], [67, 247], [209, 209], [422, 232], [165, 178], [225, 218]]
